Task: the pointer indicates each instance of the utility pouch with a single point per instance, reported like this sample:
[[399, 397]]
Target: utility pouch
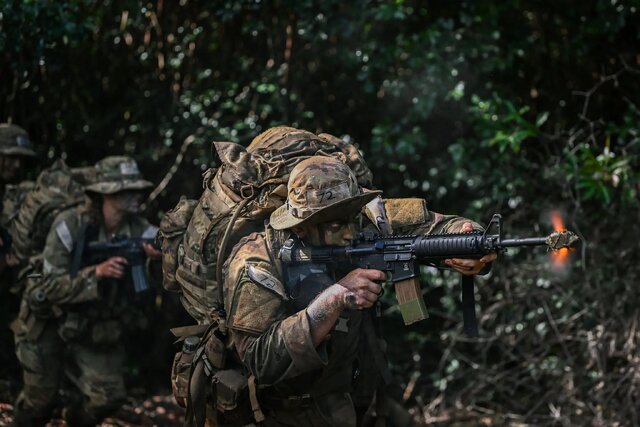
[[182, 369], [215, 351], [27, 324], [172, 228], [180, 372], [231, 393], [73, 327], [231, 388]]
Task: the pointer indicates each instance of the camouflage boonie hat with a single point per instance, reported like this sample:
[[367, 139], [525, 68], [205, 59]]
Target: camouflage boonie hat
[[320, 189], [115, 174], [14, 141]]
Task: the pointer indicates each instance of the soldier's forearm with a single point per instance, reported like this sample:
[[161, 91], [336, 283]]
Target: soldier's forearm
[[324, 311], [440, 224], [64, 289]]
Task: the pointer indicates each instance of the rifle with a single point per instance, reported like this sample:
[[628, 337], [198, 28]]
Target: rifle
[[401, 256], [123, 246]]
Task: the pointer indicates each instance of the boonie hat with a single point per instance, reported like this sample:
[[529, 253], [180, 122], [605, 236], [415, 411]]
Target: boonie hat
[[320, 189], [115, 174], [14, 141]]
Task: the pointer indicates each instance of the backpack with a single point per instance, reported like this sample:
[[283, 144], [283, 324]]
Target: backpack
[[56, 189], [238, 196], [13, 197]]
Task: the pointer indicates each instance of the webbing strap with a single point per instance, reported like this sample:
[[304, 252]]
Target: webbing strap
[[223, 249], [258, 415], [195, 415], [381, 364], [196, 412], [376, 350], [78, 250], [468, 307]]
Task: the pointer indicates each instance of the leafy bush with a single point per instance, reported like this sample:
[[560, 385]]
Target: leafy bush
[[480, 107]]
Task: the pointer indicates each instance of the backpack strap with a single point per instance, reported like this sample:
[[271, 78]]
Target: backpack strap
[[88, 231], [221, 254], [468, 307], [199, 375], [258, 415]]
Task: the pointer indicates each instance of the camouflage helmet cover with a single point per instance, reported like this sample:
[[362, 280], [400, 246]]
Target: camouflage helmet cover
[[115, 174], [320, 189], [14, 141]]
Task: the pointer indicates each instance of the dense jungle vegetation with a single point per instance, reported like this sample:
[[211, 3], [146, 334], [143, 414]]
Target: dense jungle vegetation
[[481, 107]]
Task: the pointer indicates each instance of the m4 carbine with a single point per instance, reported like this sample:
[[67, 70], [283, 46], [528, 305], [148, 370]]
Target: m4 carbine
[[122, 246], [401, 256]]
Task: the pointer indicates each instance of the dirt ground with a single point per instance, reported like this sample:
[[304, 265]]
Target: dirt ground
[[160, 411]]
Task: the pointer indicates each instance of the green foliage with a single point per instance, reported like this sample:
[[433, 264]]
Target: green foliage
[[479, 107], [499, 123]]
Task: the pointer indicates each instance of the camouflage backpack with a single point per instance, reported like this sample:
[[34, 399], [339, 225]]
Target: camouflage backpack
[[238, 197], [57, 188], [13, 197]]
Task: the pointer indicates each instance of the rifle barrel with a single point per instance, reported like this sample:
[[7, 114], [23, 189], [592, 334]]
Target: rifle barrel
[[526, 241]]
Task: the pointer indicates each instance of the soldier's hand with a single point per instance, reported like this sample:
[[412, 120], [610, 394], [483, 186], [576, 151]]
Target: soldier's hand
[[362, 289], [152, 253], [111, 268], [469, 267]]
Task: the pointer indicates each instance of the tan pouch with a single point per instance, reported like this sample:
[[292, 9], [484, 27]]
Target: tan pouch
[[172, 228], [73, 328], [406, 212], [231, 389], [215, 351], [180, 371]]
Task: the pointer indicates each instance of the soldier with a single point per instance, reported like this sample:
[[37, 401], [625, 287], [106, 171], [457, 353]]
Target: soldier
[[15, 147], [72, 324], [300, 342], [15, 150]]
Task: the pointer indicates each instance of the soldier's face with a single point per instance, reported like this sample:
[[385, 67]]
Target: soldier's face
[[128, 201], [338, 233], [9, 167]]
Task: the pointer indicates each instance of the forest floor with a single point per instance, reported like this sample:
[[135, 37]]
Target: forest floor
[[160, 411]]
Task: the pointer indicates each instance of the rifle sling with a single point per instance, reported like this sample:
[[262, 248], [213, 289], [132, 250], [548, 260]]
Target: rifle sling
[[223, 249], [78, 250], [468, 307], [376, 349]]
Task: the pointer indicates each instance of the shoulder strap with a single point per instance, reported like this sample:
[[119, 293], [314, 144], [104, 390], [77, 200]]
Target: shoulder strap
[[223, 249], [88, 231], [469, 307], [376, 349]]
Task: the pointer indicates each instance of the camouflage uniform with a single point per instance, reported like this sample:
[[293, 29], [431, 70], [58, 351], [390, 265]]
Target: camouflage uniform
[[270, 333], [77, 319], [14, 142]]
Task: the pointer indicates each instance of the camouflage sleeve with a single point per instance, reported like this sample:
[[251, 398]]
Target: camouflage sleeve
[[57, 286], [271, 345], [411, 216]]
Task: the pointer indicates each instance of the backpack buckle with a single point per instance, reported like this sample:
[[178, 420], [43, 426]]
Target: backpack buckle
[[247, 191]]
